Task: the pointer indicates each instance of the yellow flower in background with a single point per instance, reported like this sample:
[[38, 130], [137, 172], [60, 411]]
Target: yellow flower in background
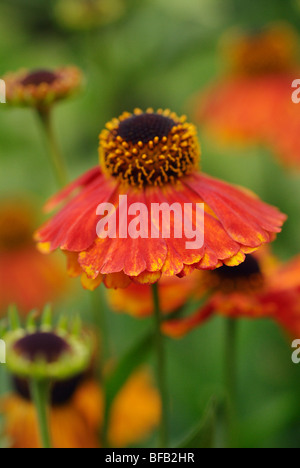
[[88, 14], [76, 414], [136, 411]]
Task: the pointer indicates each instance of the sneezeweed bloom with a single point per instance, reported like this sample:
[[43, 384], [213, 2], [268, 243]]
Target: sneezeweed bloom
[[72, 417], [252, 102], [261, 287], [43, 354], [64, 357], [88, 14], [153, 158], [47, 352], [27, 278], [41, 88]]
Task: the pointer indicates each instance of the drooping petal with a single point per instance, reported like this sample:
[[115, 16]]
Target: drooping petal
[[246, 219], [132, 256], [73, 228]]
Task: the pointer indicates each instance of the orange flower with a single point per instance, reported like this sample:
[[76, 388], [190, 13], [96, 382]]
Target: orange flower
[[77, 413], [261, 287], [152, 158], [40, 88], [137, 299], [253, 103], [27, 278]]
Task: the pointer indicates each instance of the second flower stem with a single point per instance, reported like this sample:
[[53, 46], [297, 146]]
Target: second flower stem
[[161, 368], [230, 379], [55, 155], [40, 391]]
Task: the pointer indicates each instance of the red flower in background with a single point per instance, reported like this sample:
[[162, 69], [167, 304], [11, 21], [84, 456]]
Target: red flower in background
[[253, 102], [153, 158], [261, 287], [27, 278]]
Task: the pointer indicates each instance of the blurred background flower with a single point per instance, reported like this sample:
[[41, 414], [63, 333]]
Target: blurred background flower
[[41, 88], [61, 356], [251, 103], [259, 288], [27, 278], [77, 409]]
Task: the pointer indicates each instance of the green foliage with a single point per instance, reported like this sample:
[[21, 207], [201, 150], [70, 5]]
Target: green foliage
[[203, 436]]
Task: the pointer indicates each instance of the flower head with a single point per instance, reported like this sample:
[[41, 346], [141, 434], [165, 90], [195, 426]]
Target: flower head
[[137, 299], [27, 278], [76, 416], [261, 287], [253, 104], [267, 50], [62, 353], [149, 148], [152, 158], [45, 351], [42, 87], [72, 417]]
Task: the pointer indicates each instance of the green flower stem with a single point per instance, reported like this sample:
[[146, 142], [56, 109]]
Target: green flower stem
[[98, 316], [161, 368], [40, 394], [231, 381], [56, 158]]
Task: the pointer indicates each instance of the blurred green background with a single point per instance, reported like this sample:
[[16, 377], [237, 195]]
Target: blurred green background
[[159, 53]]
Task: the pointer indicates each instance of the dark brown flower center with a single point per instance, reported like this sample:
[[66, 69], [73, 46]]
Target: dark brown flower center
[[43, 345], [145, 127], [38, 77], [61, 392], [149, 148], [248, 269], [246, 278]]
